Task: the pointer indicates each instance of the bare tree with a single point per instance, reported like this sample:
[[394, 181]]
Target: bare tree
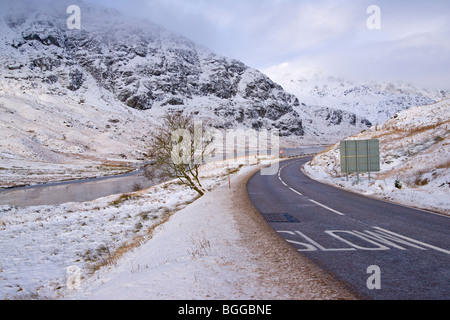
[[177, 150]]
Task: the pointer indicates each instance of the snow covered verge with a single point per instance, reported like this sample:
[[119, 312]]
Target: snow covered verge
[[37, 244], [415, 162], [159, 243]]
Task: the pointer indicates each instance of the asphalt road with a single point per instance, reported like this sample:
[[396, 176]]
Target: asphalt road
[[380, 250]]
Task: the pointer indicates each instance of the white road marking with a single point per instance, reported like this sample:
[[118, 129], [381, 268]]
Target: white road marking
[[293, 190], [328, 208], [379, 240], [423, 244], [300, 194]]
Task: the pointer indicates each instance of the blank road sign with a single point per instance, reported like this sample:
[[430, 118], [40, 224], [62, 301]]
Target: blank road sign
[[360, 156]]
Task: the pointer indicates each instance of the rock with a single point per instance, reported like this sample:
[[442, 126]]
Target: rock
[[147, 67]]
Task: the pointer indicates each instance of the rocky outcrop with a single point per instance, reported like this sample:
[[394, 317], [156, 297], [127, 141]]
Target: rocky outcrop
[[146, 67]]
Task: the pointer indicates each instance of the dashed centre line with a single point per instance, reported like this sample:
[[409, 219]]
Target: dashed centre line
[[293, 190], [300, 194], [328, 208]]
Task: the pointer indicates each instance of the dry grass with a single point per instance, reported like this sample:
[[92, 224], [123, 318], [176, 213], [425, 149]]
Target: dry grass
[[415, 177], [444, 165], [408, 131], [110, 257], [107, 256], [201, 247], [123, 198]]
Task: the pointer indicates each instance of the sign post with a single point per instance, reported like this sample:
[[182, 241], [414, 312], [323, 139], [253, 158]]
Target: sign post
[[360, 156]]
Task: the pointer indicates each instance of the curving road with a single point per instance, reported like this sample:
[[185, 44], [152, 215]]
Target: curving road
[[380, 250]]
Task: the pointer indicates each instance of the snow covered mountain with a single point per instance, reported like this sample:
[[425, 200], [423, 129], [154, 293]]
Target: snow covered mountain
[[92, 95], [377, 101], [144, 66]]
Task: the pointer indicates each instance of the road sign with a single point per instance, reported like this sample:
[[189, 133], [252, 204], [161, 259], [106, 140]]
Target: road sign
[[360, 156]]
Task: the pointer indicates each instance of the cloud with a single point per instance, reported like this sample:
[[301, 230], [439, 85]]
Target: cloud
[[411, 46], [253, 30]]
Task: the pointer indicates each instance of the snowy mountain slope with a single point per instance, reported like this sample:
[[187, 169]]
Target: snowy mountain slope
[[82, 97], [144, 66], [45, 137], [415, 149], [377, 101]]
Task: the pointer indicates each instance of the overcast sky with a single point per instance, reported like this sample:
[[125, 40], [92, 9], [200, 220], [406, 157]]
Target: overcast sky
[[413, 44]]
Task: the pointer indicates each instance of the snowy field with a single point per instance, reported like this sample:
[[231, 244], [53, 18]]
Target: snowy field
[[415, 152], [162, 243], [39, 243]]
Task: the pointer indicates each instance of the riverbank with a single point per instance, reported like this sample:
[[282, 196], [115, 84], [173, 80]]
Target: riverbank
[[54, 192]]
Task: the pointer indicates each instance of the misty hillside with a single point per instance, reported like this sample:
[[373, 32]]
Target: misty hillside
[[377, 101], [83, 102], [146, 68]]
